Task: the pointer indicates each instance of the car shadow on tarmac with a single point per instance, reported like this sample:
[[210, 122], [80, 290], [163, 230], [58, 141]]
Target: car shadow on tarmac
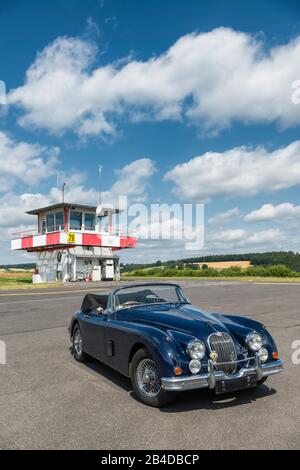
[[207, 399], [191, 400], [110, 374]]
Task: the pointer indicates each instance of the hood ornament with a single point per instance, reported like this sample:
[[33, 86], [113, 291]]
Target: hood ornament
[[214, 356]]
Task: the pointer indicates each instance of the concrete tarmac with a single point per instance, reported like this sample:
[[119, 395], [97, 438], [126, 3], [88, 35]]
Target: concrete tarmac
[[49, 401]]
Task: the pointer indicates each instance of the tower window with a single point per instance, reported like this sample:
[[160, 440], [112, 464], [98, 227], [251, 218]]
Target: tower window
[[75, 220], [89, 221], [50, 223]]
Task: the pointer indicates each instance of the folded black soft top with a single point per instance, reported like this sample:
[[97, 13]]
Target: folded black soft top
[[92, 301]]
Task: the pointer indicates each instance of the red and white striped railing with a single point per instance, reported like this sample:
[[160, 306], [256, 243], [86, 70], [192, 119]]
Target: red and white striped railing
[[33, 240]]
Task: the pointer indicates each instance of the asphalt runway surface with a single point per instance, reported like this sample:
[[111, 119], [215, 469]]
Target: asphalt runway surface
[[49, 401]]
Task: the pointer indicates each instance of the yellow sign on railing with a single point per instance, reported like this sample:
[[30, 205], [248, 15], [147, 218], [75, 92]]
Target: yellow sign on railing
[[71, 237]]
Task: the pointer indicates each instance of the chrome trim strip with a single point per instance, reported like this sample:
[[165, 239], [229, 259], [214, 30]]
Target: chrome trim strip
[[177, 384], [246, 359]]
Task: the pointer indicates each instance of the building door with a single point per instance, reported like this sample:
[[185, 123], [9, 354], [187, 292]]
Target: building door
[[88, 269], [80, 274]]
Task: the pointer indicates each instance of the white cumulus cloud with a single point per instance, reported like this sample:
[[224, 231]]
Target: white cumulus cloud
[[266, 236], [240, 171], [211, 79], [224, 217], [267, 212], [230, 235], [131, 181], [28, 163], [237, 240]]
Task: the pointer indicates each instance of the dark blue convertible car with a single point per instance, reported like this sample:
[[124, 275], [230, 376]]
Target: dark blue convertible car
[[152, 334]]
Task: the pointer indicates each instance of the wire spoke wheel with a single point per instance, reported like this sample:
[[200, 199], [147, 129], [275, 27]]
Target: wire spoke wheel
[[78, 342], [148, 378]]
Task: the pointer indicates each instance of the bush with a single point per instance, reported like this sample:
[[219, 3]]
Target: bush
[[194, 267], [232, 271], [280, 270], [259, 271]]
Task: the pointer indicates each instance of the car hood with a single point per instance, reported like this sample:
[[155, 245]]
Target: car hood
[[184, 318]]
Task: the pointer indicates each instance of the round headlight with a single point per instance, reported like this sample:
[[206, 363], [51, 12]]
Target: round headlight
[[195, 366], [196, 349], [254, 341], [263, 354]]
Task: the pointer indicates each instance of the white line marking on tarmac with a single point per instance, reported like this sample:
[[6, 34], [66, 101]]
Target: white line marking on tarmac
[[276, 284], [15, 294], [37, 300], [34, 331]]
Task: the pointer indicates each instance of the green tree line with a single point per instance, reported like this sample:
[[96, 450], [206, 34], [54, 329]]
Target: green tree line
[[272, 258], [278, 270]]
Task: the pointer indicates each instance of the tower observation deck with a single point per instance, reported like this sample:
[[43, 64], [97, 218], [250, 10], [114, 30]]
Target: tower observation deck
[[74, 242]]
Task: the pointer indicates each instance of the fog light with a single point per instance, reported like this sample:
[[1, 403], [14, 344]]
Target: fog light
[[195, 366], [263, 354]]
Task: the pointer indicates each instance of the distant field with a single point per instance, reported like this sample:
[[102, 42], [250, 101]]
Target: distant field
[[15, 278], [20, 280], [224, 264], [17, 273]]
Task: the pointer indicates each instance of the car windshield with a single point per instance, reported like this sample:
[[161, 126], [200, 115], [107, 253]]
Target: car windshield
[[149, 294]]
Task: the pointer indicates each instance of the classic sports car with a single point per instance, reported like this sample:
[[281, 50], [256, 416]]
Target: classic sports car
[[152, 334]]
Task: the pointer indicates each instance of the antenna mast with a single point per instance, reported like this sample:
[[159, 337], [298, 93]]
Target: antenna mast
[[63, 192], [61, 188]]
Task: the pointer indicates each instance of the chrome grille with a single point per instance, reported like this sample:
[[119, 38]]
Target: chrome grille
[[223, 345]]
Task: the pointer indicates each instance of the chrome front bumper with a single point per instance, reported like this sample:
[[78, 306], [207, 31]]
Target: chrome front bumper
[[209, 380]]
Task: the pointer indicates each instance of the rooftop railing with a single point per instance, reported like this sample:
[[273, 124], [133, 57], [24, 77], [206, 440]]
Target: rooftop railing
[[24, 233], [113, 231]]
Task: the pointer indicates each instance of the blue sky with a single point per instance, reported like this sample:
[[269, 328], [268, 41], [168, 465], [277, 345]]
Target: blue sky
[[144, 87]]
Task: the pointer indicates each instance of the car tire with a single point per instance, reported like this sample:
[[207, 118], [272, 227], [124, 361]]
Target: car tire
[[77, 343], [148, 392]]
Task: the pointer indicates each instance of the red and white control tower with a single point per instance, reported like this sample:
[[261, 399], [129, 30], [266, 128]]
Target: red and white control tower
[[74, 242]]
